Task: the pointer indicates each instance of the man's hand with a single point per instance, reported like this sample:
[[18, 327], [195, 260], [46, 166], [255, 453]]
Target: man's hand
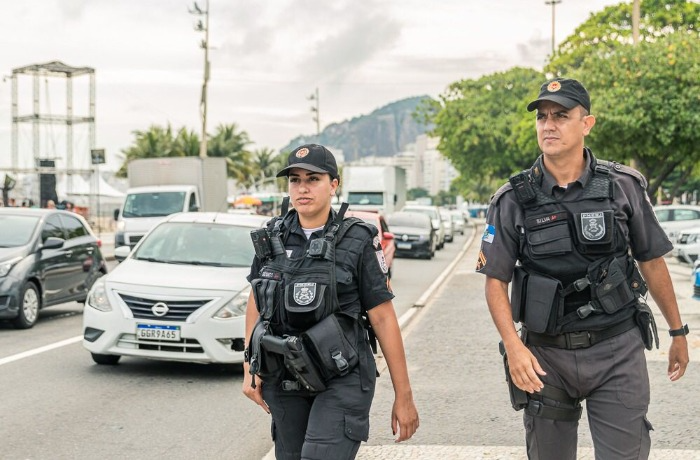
[[255, 394], [678, 358], [524, 368]]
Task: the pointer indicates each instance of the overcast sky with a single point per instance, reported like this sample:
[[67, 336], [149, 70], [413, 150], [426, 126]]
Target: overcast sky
[[266, 58]]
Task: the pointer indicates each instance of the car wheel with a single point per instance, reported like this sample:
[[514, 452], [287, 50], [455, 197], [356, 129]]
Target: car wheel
[[29, 307], [109, 360]]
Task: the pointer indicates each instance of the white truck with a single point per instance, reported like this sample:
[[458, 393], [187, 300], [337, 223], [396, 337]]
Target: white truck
[[374, 188], [163, 186]]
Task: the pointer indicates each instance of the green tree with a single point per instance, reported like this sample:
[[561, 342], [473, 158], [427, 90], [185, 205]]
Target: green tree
[[480, 124], [265, 163], [155, 142], [646, 101], [609, 30], [231, 143]]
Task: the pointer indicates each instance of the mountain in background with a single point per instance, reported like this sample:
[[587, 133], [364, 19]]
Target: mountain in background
[[383, 133]]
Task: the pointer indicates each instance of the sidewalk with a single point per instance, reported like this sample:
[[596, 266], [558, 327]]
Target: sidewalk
[[458, 383]]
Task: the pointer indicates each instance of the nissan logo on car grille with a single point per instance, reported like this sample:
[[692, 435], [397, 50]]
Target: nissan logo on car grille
[[405, 237], [160, 309]]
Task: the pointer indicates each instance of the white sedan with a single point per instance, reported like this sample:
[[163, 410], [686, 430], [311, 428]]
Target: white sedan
[[180, 295]]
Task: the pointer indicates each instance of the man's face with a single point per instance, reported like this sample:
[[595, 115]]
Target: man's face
[[310, 191], [561, 130]]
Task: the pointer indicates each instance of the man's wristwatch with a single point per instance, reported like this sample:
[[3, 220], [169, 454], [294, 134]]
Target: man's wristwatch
[[246, 355], [676, 332]]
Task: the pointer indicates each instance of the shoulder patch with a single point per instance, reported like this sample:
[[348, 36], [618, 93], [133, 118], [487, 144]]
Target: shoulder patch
[[628, 170]]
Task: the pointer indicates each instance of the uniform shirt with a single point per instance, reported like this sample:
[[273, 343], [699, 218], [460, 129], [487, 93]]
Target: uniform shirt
[[368, 286], [500, 245]]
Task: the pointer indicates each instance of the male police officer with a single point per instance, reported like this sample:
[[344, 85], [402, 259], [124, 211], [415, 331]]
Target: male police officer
[[303, 295], [575, 224]]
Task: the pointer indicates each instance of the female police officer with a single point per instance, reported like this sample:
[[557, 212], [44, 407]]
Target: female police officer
[[329, 418]]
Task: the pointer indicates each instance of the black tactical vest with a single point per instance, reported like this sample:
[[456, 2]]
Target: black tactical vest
[[574, 241]]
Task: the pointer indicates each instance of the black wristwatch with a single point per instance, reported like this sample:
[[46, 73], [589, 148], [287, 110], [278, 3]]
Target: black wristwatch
[[676, 332], [246, 355]]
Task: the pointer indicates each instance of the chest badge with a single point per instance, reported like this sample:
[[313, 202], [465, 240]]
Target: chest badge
[[304, 293], [592, 225]]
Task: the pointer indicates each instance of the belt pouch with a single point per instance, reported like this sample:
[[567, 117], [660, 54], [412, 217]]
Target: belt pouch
[[612, 292], [542, 302], [518, 293], [647, 324], [329, 344]]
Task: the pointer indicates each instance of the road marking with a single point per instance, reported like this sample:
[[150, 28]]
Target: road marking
[[36, 351]]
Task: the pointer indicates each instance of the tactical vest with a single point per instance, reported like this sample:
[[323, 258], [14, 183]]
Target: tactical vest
[[575, 259], [295, 294]]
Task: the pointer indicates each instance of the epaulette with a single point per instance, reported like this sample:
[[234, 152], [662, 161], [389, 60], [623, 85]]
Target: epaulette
[[500, 192], [619, 167], [349, 222]]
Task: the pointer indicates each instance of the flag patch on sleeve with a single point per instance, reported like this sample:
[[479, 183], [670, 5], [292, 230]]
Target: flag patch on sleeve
[[489, 234]]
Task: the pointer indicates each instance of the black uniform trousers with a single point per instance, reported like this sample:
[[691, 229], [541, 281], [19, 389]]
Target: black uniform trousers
[[612, 378], [322, 426]]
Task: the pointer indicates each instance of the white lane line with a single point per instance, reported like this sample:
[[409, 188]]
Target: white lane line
[[36, 351]]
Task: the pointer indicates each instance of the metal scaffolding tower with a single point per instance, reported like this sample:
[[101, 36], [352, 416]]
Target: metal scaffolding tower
[[54, 69]]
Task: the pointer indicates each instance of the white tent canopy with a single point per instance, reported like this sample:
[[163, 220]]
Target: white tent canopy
[[76, 185]]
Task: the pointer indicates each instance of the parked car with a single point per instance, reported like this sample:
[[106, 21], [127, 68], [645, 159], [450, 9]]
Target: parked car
[[180, 295], [676, 217], [386, 237], [434, 213], [458, 220], [447, 224], [414, 234], [686, 248], [47, 257]]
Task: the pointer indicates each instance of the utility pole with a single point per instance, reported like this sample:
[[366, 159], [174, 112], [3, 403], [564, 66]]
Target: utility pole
[[203, 27], [635, 21], [315, 109], [553, 3]]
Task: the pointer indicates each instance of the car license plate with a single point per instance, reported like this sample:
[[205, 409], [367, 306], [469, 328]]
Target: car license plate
[[158, 332], [403, 245]]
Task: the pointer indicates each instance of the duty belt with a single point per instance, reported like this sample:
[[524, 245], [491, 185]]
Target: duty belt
[[575, 340]]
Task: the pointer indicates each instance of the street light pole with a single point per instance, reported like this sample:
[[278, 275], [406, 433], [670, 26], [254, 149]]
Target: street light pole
[[203, 27], [635, 22], [553, 3]]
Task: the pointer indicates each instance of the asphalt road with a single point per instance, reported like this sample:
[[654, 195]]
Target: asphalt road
[[55, 403]]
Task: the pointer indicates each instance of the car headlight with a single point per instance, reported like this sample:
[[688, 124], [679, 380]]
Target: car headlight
[[422, 237], [692, 238], [235, 307], [7, 265], [97, 298]]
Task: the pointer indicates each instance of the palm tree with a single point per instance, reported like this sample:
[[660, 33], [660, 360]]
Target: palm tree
[[265, 163], [230, 143]]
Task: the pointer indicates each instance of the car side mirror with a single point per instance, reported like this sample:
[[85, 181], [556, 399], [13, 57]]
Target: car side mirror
[[121, 253], [53, 243], [116, 214]]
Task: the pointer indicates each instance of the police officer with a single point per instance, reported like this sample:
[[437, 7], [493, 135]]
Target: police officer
[[330, 423], [574, 226]]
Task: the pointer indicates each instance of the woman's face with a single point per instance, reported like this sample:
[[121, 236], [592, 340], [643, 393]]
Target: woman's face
[[311, 193]]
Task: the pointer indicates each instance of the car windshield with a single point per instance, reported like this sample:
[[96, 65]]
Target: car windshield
[[427, 211], [153, 204], [198, 244], [409, 220], [374, 198], [16, 230]]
